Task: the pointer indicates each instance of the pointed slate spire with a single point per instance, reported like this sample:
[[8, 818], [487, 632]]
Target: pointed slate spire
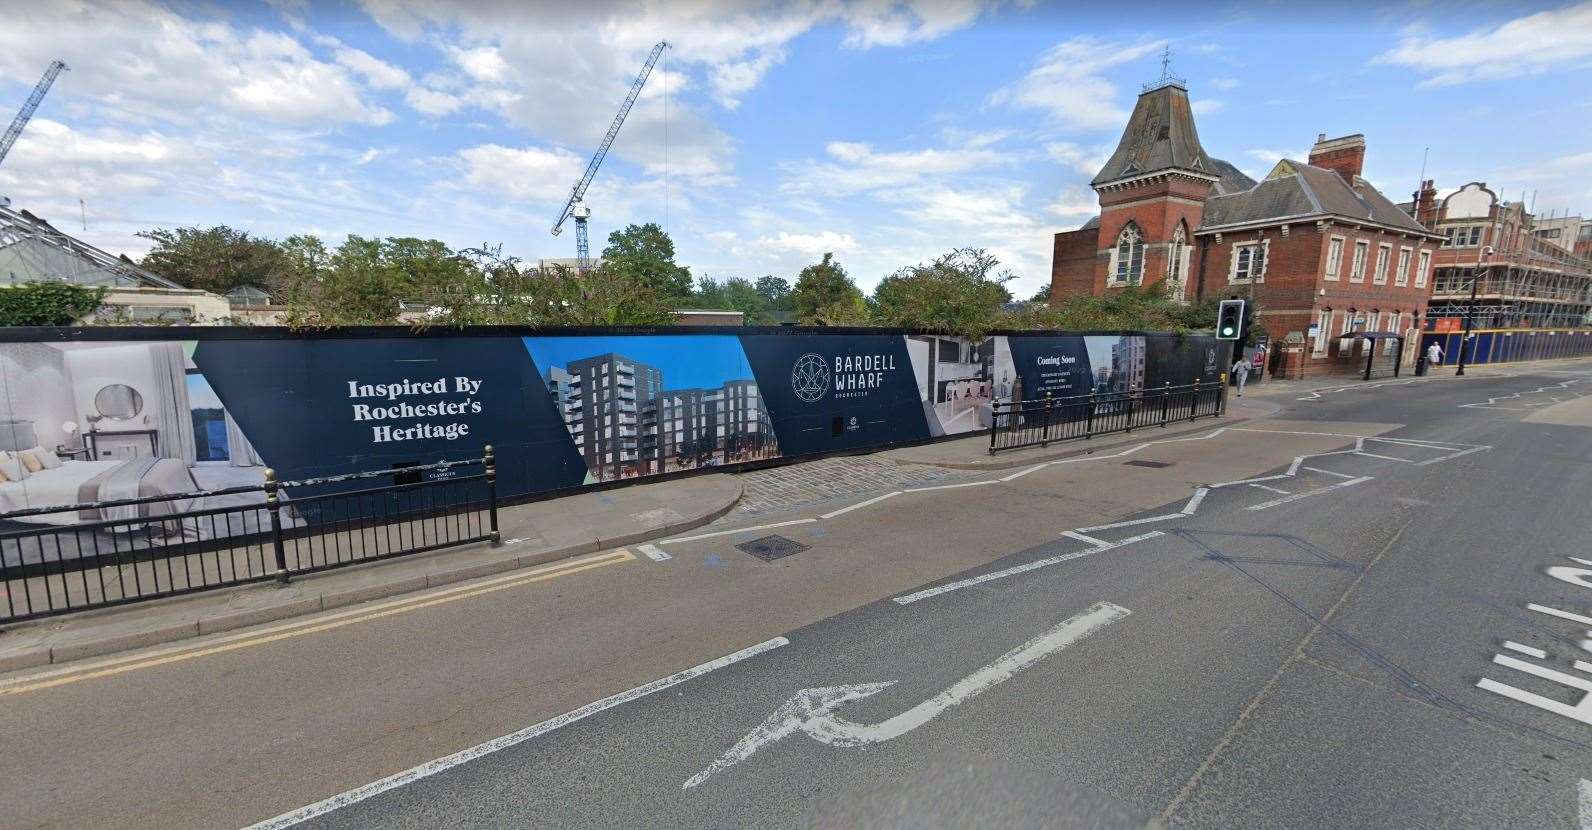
[[1160, 136]]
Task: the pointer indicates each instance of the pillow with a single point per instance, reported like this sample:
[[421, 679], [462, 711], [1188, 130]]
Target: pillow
[[47, 458], [30, 461], [11, 467]]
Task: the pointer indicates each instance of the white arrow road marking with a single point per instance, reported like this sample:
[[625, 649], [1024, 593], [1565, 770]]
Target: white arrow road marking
[[811, 710]]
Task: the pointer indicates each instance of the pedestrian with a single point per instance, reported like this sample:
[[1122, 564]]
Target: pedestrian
[[1434, 354], [1241, 373]]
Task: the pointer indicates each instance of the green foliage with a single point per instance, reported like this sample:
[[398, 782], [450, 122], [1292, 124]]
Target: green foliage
[[48, 303], [563, 296], [645, 254], [739, 294], [825, 296], [1136, 307], [216, 259], [958, 293]]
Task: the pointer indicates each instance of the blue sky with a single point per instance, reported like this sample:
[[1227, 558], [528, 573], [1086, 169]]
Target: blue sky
[[884, 132], [706, 364]]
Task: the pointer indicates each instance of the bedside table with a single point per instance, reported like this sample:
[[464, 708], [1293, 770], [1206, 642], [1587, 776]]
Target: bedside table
[[68, 455]]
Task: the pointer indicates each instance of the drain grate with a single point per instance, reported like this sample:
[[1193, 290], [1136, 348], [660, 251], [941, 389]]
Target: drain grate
[[770, 548], [1155, 464]]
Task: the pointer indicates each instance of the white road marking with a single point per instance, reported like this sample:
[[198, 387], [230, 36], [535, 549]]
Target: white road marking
[[655, 553], [1329, 472], [1382, 457], [431, 768], [1035, 565], [1526, 650], [948, 486], [1554, 612], [1490, 402], [1279, 491], [1583, 802], [1019, 474], [1580, 711], [1088, 540], [1132, 522], [1449, 457], [1308, 493], [1194, 501], [701, 536], [860, 504], [811, 711]]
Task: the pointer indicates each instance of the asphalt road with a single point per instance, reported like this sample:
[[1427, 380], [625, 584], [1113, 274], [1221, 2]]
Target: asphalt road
[[1302, 650]]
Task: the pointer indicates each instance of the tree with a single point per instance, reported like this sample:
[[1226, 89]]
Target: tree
[[1147, 308], [826, 296], [215, 259], [958, 293], [562, 296], [734, 294], [644, 253]]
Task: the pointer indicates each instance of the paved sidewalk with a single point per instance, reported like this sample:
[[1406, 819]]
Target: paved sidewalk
[[973, 453], [1272, 388], [533, 534]]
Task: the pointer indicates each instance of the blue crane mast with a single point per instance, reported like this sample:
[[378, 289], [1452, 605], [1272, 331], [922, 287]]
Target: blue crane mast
[[43, 86], [575, 207]]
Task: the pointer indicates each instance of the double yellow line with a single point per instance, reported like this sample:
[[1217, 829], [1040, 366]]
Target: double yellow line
[[325, 622]]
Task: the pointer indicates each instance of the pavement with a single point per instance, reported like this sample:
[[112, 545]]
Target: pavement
[[1316, 617]]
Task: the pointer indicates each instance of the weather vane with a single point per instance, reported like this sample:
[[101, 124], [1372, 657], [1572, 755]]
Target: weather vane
[[1167, 78]]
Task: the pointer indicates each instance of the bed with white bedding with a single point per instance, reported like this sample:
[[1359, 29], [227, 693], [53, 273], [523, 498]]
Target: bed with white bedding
[[77, 482]]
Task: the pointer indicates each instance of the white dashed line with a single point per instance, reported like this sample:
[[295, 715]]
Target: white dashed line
[[1308, 493], [1279, 491], [1329, 472], [1526, 650]]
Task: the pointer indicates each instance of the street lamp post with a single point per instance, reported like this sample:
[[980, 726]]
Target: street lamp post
[[1470, 310]]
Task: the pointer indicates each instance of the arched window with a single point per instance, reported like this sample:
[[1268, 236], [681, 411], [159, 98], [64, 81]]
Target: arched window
[[1128, 257], [1177, 262]]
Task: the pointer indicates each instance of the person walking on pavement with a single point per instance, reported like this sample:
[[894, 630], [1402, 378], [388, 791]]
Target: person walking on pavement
[[1240, 373], [1434, 354]]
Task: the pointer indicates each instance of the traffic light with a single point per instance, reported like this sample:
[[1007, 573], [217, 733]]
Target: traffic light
[[1249, 322], [1230, 320]]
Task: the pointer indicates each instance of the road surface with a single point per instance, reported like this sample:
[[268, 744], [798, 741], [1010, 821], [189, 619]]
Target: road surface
[[1364, 611]]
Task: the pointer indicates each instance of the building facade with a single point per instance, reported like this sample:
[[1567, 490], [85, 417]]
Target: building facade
[[1322, 254], [603, 415], [1527, 271]]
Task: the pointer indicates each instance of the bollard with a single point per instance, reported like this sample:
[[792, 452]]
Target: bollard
[[274, 506], [489, 459]]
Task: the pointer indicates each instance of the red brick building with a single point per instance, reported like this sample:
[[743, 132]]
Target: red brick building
[[1320, 251]]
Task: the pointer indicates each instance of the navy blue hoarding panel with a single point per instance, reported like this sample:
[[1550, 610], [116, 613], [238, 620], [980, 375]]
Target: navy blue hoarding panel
[[1060, 366], [1183, 360], [837, 392], [322, 407]]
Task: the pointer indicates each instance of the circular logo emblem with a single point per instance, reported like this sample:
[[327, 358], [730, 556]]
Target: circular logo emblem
[[809, 377]]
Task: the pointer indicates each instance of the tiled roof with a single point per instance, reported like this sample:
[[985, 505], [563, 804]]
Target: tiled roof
[[1160, 136], [1299, 190]]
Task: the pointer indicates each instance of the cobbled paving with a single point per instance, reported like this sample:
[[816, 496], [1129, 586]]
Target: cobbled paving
[[796, 485]]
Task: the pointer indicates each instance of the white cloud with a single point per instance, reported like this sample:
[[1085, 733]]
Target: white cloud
[[1223, 83], [528, 173], [1206, 106], [146, 59], [1074, 202], [810, 245], [376, 72], [483, 63], [1084, 160], [432, 102], [1559, 39], [888, 23], [1068, 82], [857, 167]]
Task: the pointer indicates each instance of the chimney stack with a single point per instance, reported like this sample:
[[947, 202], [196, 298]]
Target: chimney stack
[[1426, 204], [1344, 156]]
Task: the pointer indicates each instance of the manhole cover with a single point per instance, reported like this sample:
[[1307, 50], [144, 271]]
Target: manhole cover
[[1155, 464], [770, 548]]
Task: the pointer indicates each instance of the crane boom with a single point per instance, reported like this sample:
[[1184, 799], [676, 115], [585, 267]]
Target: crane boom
[[573, 206], [43, 86]]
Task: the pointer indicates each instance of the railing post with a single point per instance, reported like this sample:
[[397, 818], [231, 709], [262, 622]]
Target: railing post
[[1088, 427], [1128, 422], [1166, 400], [274, 506], [994, 423], [1044, 430], [1194, 401], [490, 460]]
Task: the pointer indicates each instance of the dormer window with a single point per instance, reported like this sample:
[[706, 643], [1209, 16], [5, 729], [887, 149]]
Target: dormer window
[[1127, 258]]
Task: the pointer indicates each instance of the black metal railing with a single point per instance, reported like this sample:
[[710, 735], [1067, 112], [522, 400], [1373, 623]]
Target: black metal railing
[[1039, 422], [99, 554]]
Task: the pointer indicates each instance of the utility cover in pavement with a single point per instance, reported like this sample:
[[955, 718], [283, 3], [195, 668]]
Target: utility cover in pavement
[[770, 548]]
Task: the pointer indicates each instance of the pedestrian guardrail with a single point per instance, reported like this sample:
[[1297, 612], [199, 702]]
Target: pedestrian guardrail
[[1039, 422], [59, 559]]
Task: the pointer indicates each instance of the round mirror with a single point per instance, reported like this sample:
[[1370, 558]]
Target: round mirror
[[119, 401]]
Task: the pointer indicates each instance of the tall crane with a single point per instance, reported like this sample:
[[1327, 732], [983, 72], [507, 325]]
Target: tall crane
[[43, 86], [575, 207]]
